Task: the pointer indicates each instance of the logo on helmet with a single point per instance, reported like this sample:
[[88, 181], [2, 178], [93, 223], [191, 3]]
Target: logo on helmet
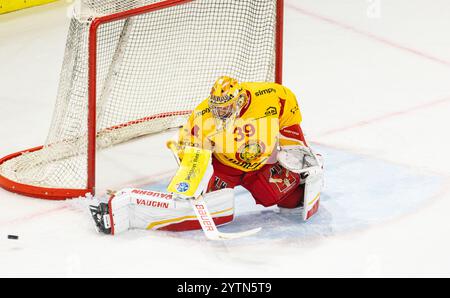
[[221, 99]]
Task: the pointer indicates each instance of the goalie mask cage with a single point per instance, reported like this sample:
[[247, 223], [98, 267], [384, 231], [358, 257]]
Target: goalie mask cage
[[136, 67]]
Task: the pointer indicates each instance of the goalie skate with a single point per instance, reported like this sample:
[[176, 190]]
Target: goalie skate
[[101, 217]]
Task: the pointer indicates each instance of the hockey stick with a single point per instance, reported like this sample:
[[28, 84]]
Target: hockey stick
[[208, 225], [204, 216]]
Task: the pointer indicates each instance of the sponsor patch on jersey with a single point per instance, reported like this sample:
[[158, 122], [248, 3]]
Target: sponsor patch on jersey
[[202, 112], [265, 91], [246, 165], [271, 111], [250, 151]]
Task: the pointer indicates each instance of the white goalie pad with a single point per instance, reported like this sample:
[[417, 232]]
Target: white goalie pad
[[119, 211], [313, 188], [134, 208]]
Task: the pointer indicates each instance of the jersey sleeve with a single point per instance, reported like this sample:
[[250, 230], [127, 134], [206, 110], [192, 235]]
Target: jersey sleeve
[[187, 133], [291, 133], [192, 134]]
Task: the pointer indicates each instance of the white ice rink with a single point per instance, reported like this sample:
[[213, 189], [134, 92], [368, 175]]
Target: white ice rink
[[373, 81]]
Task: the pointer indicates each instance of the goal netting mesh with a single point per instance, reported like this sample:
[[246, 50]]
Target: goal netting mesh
[[152, 69]]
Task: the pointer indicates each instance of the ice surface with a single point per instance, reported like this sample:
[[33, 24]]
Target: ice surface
[[374, 87], [360, 192]]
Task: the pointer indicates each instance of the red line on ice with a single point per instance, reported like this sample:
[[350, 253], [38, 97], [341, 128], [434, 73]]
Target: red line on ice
[[384, 117], [32, 216]]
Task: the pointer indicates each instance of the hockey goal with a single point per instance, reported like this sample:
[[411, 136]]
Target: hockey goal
[[137, 67]]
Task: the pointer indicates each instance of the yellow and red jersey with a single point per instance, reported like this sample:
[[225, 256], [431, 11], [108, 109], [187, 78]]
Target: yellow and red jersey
[[270, 117]]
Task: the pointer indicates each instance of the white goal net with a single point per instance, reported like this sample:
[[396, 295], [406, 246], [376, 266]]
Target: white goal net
[[152, 64]]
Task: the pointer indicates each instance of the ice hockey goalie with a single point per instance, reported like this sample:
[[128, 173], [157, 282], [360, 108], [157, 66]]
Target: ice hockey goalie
[[252, 130]]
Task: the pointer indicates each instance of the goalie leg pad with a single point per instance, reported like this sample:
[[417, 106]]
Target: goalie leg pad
[[119, 212], [220, 204], [153, 210]]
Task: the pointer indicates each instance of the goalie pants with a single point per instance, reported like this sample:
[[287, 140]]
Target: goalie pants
[[270, 185]]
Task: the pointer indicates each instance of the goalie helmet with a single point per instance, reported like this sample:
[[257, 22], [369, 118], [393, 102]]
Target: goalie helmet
[[225, 101]]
